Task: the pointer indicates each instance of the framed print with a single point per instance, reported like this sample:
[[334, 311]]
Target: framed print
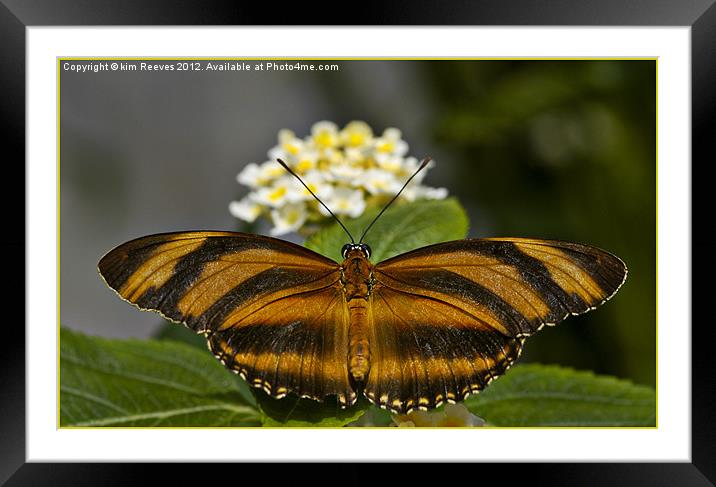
[[143, 159]]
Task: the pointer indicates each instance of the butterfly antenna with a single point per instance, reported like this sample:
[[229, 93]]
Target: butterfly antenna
[[317, 198], [422, 165]]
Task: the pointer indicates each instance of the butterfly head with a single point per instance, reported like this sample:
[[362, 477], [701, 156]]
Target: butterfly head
[[352, 248]]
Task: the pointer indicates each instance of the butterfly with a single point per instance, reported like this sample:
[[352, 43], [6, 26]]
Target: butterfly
[[426, 327]]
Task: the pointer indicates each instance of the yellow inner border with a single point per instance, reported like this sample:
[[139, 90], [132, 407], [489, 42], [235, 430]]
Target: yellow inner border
[[205, 58]]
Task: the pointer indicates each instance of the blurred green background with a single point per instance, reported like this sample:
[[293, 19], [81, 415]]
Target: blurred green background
[[547, 149]]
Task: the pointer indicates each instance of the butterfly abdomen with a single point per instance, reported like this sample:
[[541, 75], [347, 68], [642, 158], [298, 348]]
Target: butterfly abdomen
[[357, 277], [358, 344]]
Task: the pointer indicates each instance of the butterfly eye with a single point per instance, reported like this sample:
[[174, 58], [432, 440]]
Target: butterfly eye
[[366, 250], [345, 249]]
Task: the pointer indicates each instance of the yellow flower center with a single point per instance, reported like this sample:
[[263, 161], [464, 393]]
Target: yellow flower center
[[278, 193], [305, 165], [356, 139], [312, 187], [292, 217], [275, 171], [386, 147], [292, 149], [324, 139]]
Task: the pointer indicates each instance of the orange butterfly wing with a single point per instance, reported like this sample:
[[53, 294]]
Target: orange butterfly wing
[[271, 310], [448, 318]]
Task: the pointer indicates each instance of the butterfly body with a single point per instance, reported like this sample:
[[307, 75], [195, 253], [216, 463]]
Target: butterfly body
[[358, 281], [422, 328]]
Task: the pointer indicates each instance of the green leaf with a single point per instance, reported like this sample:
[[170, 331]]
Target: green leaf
[[107, 382], [294, 412], [541, 395], [180, 333], [403, 227], [374, 417]]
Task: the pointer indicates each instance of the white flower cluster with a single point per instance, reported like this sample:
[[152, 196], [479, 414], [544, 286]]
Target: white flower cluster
[[450, 415], [349, 169]]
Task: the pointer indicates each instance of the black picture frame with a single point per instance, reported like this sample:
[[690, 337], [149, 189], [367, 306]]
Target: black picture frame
[[700, 15]]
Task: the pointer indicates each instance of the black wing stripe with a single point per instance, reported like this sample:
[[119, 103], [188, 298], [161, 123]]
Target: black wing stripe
[[449, 283]]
